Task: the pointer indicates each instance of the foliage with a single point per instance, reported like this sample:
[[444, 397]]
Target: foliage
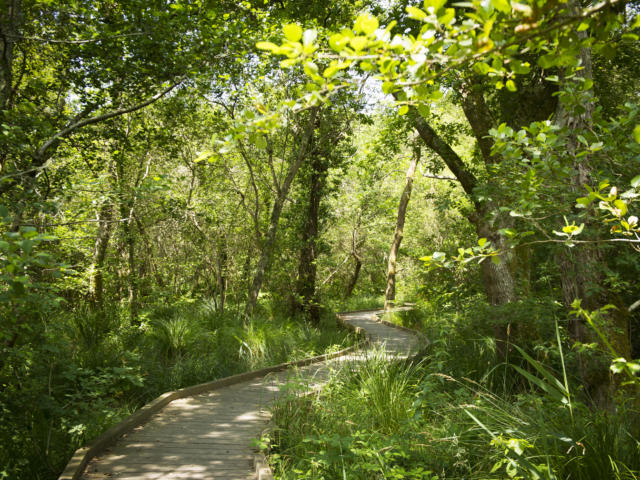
[[450, 428], [165, 164]]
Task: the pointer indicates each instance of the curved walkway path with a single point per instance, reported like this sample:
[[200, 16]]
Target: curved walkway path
[[208, 436]]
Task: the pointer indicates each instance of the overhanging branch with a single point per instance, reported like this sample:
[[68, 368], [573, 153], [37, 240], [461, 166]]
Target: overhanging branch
[[40, 153]]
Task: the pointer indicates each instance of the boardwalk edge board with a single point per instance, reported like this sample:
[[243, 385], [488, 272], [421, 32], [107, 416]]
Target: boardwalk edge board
[[261, 465], [82, 456]]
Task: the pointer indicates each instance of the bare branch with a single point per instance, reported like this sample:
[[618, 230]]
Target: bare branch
[[40, 153], [428, 174], [75, 42]]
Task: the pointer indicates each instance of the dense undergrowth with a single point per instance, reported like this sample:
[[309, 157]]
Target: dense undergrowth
[[88, 371], [458, 413]]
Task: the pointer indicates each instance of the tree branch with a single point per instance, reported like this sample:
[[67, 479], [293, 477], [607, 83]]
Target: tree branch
[[40, 153]]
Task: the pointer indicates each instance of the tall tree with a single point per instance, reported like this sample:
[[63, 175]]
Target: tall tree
[[390, 292], [301, 150]]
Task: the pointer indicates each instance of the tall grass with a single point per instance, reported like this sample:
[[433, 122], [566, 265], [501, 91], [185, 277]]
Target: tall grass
[[360, 428], [90, 370], [458, 414]]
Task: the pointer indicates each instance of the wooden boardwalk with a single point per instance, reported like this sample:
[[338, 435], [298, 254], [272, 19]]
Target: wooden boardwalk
[[208, 436]]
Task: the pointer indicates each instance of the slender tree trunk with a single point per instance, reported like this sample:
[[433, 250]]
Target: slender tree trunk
[[152, 267], [127, 206], [10, 21], [96, 280], [132, 284], [221, 275], [10, 26], [266, 256], [390, 293], [269, 240], [498, 280], [358, 259], [306, 300]]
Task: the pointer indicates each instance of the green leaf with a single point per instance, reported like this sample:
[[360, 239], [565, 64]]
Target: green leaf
[[292, 32], [447, 17], [622, 206], [267, 46], [416, 14], [309, 37], [495, 259], [388, 87], [288, 62], [511, 86], [482, 241], [358, 43], [635, 183], [404, 109], [636, 133], [338, 41], [366, 23], [501, 5], [330, 71], [437, 256], [521, 68], [482, 68], [203, 156], [583, 202], [509, 232], [424, 110], [584, 25], [311, 69], [547, 61], [435, 4]]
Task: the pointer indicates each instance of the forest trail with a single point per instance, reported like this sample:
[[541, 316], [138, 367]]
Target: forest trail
[[208, 436]]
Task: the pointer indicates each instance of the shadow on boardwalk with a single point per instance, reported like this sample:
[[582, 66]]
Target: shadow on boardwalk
[[209, 436]]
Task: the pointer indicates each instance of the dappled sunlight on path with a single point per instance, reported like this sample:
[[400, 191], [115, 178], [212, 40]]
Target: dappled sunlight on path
[[209, 436]]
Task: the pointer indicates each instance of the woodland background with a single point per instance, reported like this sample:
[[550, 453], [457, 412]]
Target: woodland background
[[191, 189]]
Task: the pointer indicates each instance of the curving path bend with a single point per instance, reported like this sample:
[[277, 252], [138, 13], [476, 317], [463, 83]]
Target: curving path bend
[[208, 436]]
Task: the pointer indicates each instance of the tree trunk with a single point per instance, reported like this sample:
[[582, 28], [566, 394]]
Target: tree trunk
[[10, 20], [306, 300], [153, 268], [269, 241], [582, 267], [10, 26], [358, 259], [127, 206], [221, 277], [354, 277], [390, 293], [498, 280], [96, 280], [132, 284]]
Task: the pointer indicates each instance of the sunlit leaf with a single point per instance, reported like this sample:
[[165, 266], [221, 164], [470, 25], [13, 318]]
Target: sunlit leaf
[[292, 32], [366, 23], [416, 13]]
